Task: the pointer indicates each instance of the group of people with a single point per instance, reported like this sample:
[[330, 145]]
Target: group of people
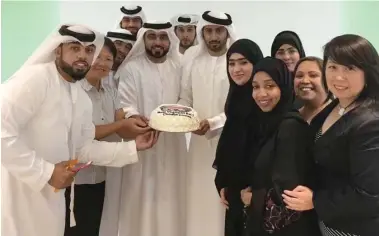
[[287, 144]]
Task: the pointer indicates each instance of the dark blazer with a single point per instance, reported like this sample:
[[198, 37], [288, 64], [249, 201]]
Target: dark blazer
[[346, 195]]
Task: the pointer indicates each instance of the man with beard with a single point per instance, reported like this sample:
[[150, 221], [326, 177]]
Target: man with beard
[[46, 125], [124, 41], [132, 18], [152, 191], [90, 182], [205, 86], [185, 30]]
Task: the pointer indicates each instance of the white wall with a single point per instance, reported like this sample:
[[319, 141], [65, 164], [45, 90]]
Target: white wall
[[315, 22]]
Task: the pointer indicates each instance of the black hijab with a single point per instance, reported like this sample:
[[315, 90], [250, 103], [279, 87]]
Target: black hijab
[[279, 72], [287, 37], [270, 122], [239, 110], [239, 96], [291, 38]]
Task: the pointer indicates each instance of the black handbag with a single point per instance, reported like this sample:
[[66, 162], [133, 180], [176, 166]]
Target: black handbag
[[277, 216]]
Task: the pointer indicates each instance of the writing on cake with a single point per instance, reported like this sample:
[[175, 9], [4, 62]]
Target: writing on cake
[[176, 111]]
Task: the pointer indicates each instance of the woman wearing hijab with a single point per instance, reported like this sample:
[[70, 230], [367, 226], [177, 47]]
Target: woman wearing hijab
[[240, 110], [287, 47], [284, 158]]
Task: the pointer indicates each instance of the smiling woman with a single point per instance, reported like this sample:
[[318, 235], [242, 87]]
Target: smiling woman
[[103, 64], [232, 157], [309, 88], [266, 92], [283, 159], [240, 69], [346, 143], [288, 47]]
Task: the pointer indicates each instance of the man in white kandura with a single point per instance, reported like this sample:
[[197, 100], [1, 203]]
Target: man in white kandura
[[132, 18], [152, 190], [205, 86], [124, 41], [185, 30], [46, 120]]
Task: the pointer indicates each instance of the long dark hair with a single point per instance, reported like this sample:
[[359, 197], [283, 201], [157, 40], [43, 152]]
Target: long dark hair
[[110, 45], [354, 50], [317, 60], [240, 96]]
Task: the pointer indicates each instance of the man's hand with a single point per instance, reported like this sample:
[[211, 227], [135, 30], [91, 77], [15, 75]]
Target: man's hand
[[146, 140], [62, 176], [203, 128], [132, 127], [141, 118]]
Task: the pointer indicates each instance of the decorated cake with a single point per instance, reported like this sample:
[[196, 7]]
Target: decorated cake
[[174, 118]]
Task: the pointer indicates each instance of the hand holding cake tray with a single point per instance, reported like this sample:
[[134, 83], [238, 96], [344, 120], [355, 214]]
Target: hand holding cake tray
[[174, 118]]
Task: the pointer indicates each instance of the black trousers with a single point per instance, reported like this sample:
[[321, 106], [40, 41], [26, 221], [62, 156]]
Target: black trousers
[[88, 208], [234, 217]]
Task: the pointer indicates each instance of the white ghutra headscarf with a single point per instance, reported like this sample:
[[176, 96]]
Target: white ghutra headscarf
[[45, 53], [139, 47], [131, 11], [65, 34], [210, 18], [185, 20], [122, 35]]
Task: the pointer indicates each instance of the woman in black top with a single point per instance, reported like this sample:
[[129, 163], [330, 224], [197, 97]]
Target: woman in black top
[[346, 194], [288, 47], [236, 136], [284, 159]]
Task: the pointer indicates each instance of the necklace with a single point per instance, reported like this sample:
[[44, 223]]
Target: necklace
[[315, 111], [342, 110]]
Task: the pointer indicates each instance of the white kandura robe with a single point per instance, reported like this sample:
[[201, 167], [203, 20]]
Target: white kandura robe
[[205, 88], [45, 120], [153, 190], [183, 61]]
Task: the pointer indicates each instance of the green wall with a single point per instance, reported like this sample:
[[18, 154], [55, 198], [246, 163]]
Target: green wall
[[24, 25], [362, 17]]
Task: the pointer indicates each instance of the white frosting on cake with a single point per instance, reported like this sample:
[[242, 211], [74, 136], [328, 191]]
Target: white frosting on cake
[[174, 118]]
